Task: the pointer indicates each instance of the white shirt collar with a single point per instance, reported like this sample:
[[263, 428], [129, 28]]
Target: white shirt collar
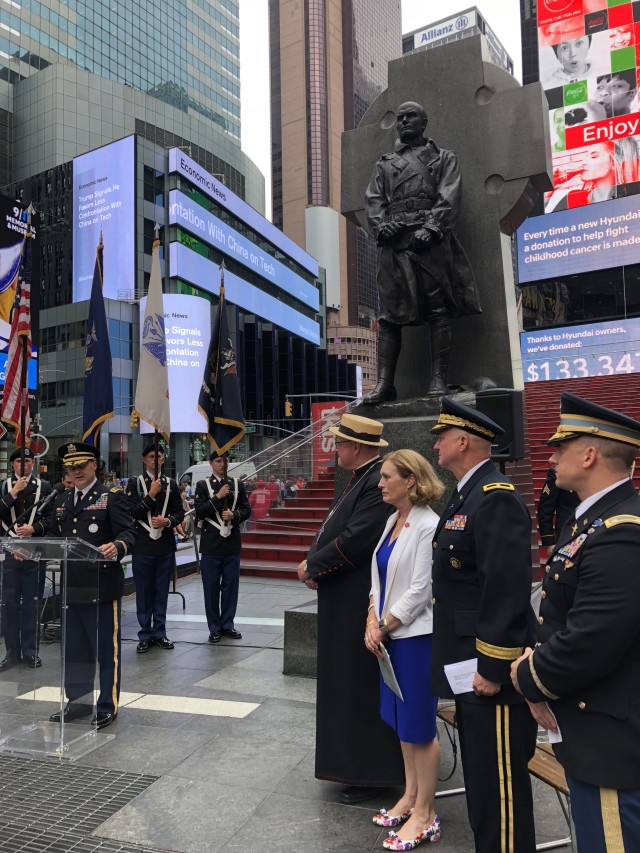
[[590, 501], [470, 474], [84, 491]]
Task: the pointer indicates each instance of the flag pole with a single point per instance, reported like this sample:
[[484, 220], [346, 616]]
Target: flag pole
[[225, 462], [156, 436]]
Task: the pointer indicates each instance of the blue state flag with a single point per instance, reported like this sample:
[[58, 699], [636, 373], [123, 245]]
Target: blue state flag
[[219, 399], [98, 387]]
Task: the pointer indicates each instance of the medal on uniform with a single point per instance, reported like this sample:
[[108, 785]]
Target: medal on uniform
[[93, 528]]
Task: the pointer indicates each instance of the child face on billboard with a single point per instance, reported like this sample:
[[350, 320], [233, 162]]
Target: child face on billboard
[[572, 55], [616, 92]]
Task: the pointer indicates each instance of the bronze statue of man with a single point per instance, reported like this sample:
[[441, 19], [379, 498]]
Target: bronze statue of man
[[412, 205]]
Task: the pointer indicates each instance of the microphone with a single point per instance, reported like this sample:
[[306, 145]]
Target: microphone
[[58, 489]]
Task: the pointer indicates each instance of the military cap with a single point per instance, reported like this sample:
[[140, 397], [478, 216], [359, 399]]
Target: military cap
[[454, 414], [580, 417], [215, 455], [361, 430], [76, 453], [151, 447], [28, 454]]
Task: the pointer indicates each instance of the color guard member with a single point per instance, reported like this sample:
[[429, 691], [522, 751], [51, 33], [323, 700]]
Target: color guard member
[[22, 580], [156, 508]]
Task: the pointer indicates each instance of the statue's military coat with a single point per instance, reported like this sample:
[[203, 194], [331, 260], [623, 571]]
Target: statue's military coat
[[430, 181]]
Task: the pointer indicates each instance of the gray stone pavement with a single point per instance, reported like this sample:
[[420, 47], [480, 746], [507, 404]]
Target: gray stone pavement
[[233, 783]]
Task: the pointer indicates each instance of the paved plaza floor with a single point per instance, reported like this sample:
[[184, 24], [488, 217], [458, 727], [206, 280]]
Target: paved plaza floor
[[223, 744]]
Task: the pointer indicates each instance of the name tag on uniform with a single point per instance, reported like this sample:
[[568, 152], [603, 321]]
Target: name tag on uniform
[[458, 522]]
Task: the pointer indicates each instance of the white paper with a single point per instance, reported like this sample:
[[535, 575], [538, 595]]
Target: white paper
[[387, 672], [554, 737], [460, 675]]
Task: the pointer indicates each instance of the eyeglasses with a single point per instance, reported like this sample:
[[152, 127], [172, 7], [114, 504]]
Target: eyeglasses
[[342, 442]]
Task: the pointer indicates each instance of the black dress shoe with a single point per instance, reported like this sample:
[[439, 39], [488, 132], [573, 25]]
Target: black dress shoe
[[32, 660], [144, 646], [232, 633], [72, 712], [8, 663], [164, 643], [103, 719], [215, 637], [353, 794]]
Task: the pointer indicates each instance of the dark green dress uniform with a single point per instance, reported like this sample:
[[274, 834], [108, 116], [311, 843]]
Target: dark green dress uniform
[[93, 629], [22, 580], [586, 663], [353, 745], [481, 609]]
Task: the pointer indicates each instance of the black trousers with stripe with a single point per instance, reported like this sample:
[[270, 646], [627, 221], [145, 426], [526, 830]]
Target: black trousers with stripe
[[497, 743], [93, 634]]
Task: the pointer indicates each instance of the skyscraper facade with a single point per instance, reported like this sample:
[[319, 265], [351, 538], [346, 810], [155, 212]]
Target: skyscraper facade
[[184, 54], [328, 64]]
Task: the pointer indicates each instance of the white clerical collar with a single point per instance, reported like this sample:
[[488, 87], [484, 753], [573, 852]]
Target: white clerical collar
[[470, 474], [590, 501]]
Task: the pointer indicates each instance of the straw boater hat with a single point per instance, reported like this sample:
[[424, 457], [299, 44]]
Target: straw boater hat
[[360, 430]]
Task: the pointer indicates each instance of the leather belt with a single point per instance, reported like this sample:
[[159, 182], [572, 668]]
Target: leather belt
[[410, 204]]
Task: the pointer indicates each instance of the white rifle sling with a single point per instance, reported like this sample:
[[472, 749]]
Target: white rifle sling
[[154, 532], [224, 527]]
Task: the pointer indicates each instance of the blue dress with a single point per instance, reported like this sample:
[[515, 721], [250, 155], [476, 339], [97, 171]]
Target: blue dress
[[414, 719]]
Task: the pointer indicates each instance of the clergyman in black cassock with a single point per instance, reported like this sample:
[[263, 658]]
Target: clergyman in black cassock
[[354, 747]]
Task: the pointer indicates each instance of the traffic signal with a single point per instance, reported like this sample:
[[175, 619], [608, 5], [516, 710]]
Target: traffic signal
[[288, 409]]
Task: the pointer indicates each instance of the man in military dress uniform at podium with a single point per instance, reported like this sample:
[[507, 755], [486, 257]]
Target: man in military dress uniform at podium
[[98, 515], [22, 580], [156, 508]]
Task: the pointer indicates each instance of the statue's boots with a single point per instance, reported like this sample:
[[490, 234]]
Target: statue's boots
[[389, 343], [440, 341]]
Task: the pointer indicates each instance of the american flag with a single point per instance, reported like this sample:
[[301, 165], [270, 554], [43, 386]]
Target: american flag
[[16, 394]]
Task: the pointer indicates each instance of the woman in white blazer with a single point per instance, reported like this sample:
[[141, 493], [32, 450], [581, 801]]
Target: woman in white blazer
[[400, 616]]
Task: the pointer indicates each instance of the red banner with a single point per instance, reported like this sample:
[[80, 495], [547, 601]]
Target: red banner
[[550, 11], [324, 415], [618, 127]]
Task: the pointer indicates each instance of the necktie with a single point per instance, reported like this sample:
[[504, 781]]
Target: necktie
[[78, 499]]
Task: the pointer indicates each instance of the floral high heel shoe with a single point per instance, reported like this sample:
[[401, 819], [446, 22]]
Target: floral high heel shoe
[[431, 833]]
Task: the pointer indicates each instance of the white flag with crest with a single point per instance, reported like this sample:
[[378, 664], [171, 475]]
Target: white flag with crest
[[152, 392]]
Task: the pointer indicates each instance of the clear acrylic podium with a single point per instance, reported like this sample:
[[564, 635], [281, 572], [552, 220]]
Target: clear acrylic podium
[[51, 582]]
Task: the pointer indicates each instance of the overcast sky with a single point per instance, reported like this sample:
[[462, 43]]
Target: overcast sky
[[503, 17]]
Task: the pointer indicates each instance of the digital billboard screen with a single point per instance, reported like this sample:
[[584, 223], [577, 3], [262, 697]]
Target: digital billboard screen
[[580, 240], [588, 60], [187, 333], [194, 269], [104, 191], [212, 230], [13, 226], [183, 165], [576, 352]]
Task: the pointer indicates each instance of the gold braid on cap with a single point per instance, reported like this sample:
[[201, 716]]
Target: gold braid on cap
[[455, 421]]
